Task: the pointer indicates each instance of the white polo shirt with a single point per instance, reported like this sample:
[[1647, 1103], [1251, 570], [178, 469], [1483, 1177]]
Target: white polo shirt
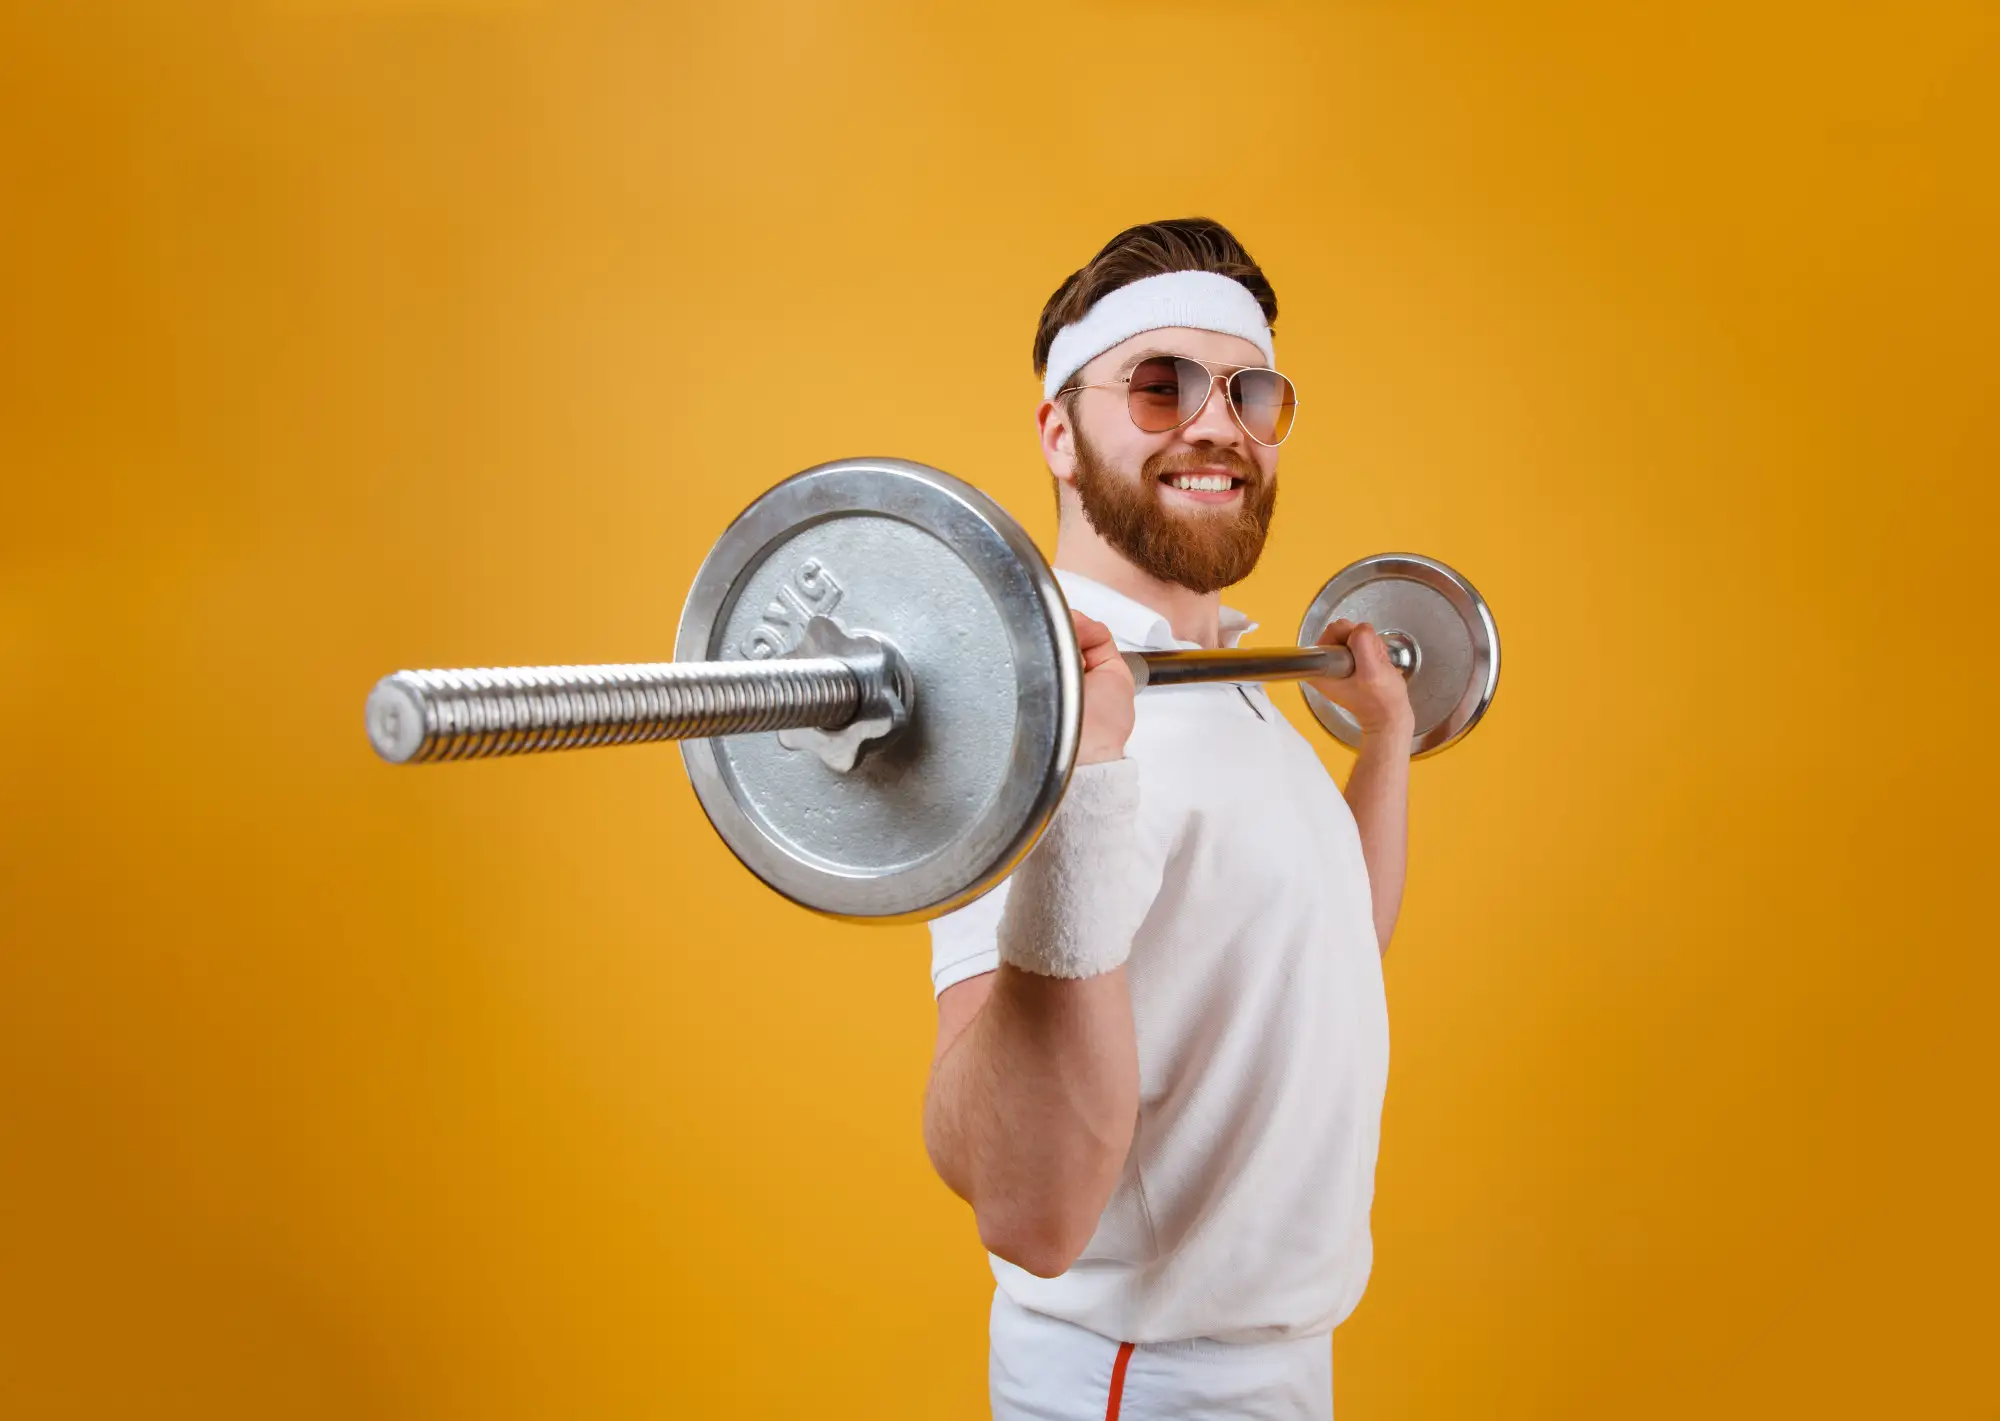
[[1263, 1030]]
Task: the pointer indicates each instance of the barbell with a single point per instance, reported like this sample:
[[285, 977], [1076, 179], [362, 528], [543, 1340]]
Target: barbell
[[912, 651]]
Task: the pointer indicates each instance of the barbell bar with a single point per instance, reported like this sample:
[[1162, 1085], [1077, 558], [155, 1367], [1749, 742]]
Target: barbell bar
[[827, 609], [480, 712]]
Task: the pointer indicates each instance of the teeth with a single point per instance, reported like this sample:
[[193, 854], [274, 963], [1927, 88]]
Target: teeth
[[1202, 483]]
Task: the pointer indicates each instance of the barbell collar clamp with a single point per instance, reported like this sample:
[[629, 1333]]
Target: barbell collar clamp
[[888, 693]]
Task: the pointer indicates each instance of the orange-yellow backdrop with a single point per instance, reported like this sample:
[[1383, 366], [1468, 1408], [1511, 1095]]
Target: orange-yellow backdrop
[[344, 336]]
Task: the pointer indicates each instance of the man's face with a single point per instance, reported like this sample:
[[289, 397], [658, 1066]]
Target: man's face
[[1134, 487]]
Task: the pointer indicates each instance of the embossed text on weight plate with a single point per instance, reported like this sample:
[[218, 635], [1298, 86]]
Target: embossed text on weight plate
[[813, 591]]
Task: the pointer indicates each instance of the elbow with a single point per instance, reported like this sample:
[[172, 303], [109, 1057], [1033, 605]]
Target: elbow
[[1045, 1246]]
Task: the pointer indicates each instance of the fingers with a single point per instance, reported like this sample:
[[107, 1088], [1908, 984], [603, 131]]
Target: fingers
[[1093, 639], [1336, 633], [1107, 694], [1369, 653], [1362, 639]]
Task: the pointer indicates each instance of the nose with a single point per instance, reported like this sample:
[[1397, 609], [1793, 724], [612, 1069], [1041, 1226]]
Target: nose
[[1214, 422]]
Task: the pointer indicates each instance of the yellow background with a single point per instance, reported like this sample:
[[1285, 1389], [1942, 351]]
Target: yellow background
[[346, 336]]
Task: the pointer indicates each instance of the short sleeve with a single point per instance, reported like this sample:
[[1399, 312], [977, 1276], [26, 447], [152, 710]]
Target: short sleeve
[[966, 943]]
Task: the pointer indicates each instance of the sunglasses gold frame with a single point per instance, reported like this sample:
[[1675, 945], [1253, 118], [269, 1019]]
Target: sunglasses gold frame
[[1230, 372]]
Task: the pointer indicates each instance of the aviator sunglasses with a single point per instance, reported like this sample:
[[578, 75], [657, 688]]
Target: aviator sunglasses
[[1164, 392]]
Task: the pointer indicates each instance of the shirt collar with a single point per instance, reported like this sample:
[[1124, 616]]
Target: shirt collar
[[1133, 624]]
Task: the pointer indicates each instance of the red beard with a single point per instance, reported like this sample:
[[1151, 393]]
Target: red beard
[[1201, 551]]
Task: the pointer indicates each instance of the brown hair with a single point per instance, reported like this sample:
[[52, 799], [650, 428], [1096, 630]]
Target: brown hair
[[1151, 249]]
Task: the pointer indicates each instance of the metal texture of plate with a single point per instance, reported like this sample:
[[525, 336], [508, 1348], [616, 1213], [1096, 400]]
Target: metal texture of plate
[[932, 818], [1458, 645]]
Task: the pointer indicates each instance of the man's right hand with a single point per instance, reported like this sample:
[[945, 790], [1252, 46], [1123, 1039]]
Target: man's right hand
[[1107, 694]]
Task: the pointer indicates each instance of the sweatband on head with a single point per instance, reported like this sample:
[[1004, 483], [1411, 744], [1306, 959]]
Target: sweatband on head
[[1077, 900], [1200, 300]]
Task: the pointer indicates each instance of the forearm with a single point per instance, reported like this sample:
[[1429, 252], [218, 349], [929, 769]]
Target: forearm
[[1030, 1112], [1378, 793]]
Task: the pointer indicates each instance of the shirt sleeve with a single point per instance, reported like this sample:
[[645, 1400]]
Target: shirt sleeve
[[966, 943]]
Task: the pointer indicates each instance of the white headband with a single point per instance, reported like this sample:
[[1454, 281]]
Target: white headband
[[1200, 300]]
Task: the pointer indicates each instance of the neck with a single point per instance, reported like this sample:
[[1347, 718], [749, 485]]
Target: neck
[[1193, 616]]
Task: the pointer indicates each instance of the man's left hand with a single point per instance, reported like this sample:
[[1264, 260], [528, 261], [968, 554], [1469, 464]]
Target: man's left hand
[[1376, 694]]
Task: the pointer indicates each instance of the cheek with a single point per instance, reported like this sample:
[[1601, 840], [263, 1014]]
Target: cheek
[[1136, 451], [1123, 448]]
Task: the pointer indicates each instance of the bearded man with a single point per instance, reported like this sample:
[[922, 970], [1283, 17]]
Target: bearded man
[[1163, 1042]]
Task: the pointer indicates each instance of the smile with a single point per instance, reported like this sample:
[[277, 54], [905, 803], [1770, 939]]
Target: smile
[[1204, 486]]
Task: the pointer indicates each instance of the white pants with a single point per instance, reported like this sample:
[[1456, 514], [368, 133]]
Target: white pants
[[1043, 1369]]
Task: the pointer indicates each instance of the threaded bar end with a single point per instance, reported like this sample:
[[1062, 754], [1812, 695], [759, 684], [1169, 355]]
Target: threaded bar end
[[418, 716]]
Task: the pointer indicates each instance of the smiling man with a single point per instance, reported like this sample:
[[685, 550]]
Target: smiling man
[[1163, 1042]]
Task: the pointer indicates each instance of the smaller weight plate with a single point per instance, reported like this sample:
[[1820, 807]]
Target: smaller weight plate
[[931, 819], [1458, 645]]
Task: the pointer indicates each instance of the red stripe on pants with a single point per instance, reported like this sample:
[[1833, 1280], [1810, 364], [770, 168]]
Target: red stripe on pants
[[1118, 1382]]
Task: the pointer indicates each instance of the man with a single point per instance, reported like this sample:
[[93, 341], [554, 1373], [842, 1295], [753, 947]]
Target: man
[[1163, 1043]]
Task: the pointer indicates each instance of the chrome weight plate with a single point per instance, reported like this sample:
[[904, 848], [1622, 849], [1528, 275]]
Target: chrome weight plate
[[1458, 645], [931, 819]]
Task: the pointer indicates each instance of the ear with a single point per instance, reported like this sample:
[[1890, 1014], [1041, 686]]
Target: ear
[[1052, 422]]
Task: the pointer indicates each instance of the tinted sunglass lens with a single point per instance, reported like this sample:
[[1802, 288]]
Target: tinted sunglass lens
[[1195, 385], [1265, 402], [1155, 393]]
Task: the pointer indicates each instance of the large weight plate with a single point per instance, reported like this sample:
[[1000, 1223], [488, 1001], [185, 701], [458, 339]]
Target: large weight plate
[[1458, 645], [930, 820]]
